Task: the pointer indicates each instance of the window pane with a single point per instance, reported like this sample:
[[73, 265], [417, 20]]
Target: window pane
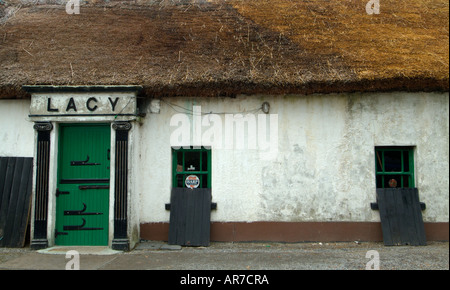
[[406, 181], [180, 180], [379, 161], [192, 161], [179, 161], [393, 161], [205, 161], [203, 180], [392, 181], [379, 181], [406, 161]]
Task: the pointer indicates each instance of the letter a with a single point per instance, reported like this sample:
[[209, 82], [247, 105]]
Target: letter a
[[183, 132], [71, 105], [374, 263], [373, 7], [76, 7], [73, 264]]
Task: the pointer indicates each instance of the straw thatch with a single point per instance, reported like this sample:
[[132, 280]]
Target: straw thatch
[[219, 47]]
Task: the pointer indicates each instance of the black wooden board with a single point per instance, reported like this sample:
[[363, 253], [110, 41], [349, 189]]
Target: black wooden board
[[401, 216], [15, 200], [190, 217]]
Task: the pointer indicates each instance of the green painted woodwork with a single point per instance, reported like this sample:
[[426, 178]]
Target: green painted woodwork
[[395, 163], [187, 162], [76, 143]]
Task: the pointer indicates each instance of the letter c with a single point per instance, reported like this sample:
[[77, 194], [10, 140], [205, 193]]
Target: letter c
[[92, 109]]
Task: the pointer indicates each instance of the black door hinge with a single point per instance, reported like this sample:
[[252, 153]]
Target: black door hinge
[[57, 233], [61, 192]]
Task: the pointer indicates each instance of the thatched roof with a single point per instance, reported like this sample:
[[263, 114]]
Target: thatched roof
[[227, 47]]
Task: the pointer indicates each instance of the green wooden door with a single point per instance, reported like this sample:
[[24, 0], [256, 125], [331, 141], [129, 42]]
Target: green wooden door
[[82, 196]]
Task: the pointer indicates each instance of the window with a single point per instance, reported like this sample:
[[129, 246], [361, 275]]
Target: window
[[394, 167], [191, 168]]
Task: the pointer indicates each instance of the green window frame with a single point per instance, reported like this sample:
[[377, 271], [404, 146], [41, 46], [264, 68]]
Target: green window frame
[[394, 167], [190, 161]]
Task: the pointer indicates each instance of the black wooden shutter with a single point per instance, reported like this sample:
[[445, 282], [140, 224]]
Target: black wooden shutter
[[16, 177], [190, 217], [401, 216]]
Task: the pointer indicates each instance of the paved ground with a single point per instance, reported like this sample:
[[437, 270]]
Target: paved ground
[[235, 256]]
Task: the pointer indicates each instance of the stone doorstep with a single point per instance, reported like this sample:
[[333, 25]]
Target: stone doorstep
[[82, 250]]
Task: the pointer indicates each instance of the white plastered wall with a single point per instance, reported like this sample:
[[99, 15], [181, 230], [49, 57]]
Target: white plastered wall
[[325, 166], [16, 132]]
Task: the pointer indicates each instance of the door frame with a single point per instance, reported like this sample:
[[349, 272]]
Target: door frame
[[124, 242]]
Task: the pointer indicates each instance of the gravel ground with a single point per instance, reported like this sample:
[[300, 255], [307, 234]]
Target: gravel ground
[[295, 256], [254, 256], [304, 256], [7, 254]]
